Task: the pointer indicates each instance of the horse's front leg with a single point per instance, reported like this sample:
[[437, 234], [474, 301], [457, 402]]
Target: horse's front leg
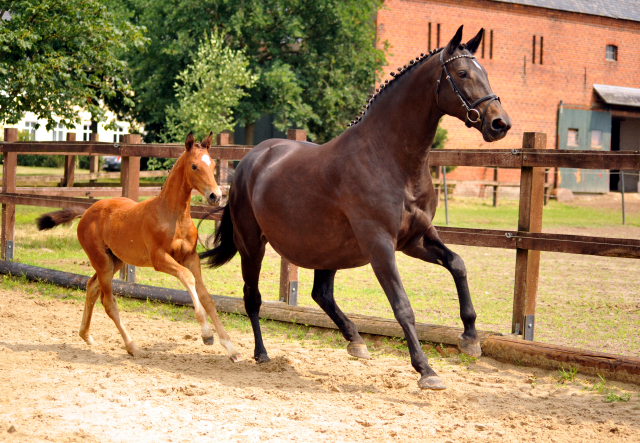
[[163, 262], [383, 261], [430, 248], [192, 262]]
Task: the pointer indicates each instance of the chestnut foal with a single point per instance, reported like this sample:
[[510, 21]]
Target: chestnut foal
[[156, 233]]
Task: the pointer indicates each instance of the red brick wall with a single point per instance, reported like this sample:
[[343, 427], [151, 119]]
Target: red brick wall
[[573, 60]]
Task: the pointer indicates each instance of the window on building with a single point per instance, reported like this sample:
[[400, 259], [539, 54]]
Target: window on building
[[541, 48], [118, 133], [491, 44], [30, 127], [596, 139], [533, 56], [572, 137], [612, 53], [429, 46], [438, 35], [58, 133], [86, 133]]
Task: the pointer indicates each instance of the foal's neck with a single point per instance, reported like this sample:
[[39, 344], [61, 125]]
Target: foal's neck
[[176, 192]]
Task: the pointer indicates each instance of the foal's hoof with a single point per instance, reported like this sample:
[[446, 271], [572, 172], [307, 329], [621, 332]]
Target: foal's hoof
[[88, 340], [237, 358], [207, 340], [358, 350], [262, 358], [133, 350], [431, 382], [470, 347]]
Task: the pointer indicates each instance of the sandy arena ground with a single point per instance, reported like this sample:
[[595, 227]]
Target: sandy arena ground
[[53, 387]]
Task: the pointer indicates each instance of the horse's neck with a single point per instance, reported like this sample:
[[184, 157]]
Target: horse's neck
[[401, 122], [176, 192]]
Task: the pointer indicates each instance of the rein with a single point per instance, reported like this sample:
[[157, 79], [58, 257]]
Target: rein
[[470, 107]]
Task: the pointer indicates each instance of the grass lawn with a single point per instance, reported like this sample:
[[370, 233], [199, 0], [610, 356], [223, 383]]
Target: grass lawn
[[583, 301]]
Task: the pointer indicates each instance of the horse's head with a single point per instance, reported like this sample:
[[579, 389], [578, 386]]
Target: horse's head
[[464, 92], [199, 169]]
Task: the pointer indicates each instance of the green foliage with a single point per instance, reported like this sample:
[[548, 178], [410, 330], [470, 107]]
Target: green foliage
[[156, 164], [613, 397], [565, 376], [316, 62], [47, 161], [440, 140], [62, 56], [207, 91]]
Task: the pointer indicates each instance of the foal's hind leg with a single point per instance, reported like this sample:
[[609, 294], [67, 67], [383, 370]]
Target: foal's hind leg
[[431, 249], [193, 264], [93, 292], [322, 293]]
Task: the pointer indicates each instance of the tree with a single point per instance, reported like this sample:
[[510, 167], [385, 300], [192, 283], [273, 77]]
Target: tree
[[316, 62], [62, 56], [208, 90]]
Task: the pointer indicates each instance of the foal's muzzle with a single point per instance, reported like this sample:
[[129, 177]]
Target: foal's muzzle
[[213, 197]]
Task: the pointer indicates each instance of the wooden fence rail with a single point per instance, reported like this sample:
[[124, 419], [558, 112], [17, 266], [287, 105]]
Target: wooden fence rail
[[528, 240]]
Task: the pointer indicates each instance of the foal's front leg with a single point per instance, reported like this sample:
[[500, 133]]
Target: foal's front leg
[[163, 262], [430, 248], [192, 263]]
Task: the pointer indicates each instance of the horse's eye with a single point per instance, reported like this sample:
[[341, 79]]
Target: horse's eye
[[462, 74], [194, 167]]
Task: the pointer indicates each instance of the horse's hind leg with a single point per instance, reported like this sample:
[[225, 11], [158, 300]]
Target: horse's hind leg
[[431, 249], [251, 262], [105, 275], [93, 292], [322, 293], [193, 264]]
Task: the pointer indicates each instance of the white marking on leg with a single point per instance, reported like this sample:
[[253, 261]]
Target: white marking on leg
[[440, 261], [201, 315], [231, 350]]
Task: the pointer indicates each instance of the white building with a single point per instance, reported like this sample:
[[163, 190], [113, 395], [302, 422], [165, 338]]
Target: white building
[[59, 133]]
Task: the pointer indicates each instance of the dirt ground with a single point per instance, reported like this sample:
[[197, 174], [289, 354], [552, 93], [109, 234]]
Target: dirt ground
[[53, 387]]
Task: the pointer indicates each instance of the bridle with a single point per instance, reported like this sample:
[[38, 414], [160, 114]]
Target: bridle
[[470, 107]]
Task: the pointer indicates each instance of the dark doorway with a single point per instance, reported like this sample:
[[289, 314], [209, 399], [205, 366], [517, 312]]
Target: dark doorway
[[614, 177]]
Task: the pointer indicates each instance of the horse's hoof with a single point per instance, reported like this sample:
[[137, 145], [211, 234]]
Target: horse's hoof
[[207, 340], [237, 358], [358, 350], [431, 382], [470, 347], [262, 358], [134, 351], [88, 340]]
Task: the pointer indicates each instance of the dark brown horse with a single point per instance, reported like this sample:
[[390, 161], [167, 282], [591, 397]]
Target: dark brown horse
[[362, 196]]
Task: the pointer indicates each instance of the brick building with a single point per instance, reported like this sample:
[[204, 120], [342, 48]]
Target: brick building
[[570, 68]]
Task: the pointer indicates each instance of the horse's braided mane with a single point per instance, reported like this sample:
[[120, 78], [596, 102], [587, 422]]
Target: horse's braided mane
[[401, 71]]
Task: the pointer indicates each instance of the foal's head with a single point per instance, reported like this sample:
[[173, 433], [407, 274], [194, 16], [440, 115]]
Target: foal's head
[[199, 169], [474, 103]]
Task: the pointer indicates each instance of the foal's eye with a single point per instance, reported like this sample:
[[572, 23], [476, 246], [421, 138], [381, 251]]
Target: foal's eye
[[194, 167], [462, 74]]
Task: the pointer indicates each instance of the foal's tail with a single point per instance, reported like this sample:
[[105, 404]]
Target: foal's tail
[[53, 219], [224, 247]]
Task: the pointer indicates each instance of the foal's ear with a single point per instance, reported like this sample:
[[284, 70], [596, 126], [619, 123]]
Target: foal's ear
[[474, 43], [188, 143], [206, 144], [455, 41]]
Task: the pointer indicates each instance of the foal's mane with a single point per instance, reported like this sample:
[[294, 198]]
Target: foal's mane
[[401, 72]]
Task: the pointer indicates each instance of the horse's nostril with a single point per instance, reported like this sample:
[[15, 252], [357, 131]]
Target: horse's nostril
[[213, 197], [498, 124]]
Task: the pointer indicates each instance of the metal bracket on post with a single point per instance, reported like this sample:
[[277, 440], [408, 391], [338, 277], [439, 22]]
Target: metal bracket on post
[[9, 251], [529, 326], [131, 273], [293, 293]]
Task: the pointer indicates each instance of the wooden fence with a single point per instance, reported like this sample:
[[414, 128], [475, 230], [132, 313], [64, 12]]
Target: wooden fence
[[528, 240]]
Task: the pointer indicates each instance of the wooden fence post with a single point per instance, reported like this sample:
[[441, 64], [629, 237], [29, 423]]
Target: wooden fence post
[[130, 179], [69, 164], [224, 138], [529, 220], [9, 166], [93, 159], [289, 272]]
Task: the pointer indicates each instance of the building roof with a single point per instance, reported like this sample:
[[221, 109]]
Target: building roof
[[620, 9], [617, 95]]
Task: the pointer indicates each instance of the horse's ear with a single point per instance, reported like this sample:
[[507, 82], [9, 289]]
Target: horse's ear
[[207, 142], [474, 43], [455, 41], [188, 143]]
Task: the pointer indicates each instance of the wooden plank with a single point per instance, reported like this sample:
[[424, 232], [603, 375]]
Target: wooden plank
[[551, 158], [130, 169], [62, 148], [529, 220], [69, 163], [9, 168], [46, 201], [222, 166], [548, 356], [502, 158]]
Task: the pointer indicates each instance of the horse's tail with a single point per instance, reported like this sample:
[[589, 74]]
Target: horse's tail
[[53, 219], [224, 247]]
